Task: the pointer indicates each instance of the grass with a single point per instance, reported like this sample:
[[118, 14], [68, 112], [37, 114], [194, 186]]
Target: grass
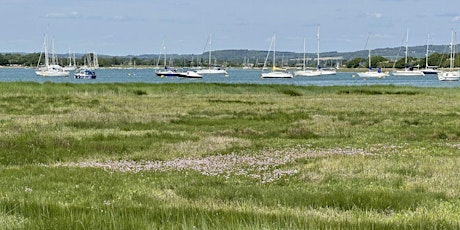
[[218, 156]]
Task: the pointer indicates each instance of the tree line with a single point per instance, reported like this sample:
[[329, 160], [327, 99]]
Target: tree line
[[435, 59], [31, 60]]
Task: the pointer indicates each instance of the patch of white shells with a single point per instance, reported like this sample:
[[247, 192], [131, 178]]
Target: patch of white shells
[[265, 166]]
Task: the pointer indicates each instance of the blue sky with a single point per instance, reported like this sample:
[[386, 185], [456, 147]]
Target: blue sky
[[122, 27]]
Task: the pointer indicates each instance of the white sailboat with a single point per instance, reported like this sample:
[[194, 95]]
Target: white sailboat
[[276, 72], [408, 71], [72, 65], [319, 70], [429, 69], [305, 72], [211, 70], [322, 71], [372, 73], [450, 75], [51, 68]]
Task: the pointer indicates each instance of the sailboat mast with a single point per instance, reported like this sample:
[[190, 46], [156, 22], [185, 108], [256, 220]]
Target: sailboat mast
[[304, 50], [427, 51], [274, 52], [165, 51], [317, 53], [45, 44], [210, 49], [452, 51], [407, 45], [369, 48]]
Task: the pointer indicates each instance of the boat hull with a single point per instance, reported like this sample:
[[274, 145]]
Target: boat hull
[[328, 72], [408, 73], [307, 73], [449, 76], [166, 73], [190, 74], [276, 75], [52, 74], [373, 74], [212, 71], [85, 74], [431, 71]]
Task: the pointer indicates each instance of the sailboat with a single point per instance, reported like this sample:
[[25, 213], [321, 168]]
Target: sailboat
[[72, 64], [429, 69], [276, 72], [408, 71], [211, 69], [166, 71], [51, 68], [372, 73], [319, 71], [450, 75], [305, 72]]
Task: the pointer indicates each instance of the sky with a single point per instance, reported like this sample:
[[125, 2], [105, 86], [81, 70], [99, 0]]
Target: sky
[[135, 27]]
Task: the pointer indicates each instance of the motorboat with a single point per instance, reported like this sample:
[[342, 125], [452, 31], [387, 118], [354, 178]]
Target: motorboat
[[85, 73]]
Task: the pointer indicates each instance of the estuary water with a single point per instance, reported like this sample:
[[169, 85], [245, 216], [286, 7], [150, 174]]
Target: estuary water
[[236, 76]]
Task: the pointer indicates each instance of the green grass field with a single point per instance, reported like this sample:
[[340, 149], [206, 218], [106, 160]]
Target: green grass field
[[217, 156]]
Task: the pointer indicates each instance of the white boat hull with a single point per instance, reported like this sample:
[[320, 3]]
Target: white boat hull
[[52, 74], [408, 73], [372, 74], [211, 71], [449, 76], [276, 75], [307, 73], [328, 72]]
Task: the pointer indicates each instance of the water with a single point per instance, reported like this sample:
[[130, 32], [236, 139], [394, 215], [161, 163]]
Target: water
[[235, 76]]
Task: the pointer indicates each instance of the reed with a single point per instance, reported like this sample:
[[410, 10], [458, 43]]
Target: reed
[[219, 156]]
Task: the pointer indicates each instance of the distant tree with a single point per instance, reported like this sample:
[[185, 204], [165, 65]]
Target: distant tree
[[356, 62], [3, 60], [377, 61]]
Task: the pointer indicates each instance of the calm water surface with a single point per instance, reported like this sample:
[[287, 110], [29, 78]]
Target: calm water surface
[[235, 76]]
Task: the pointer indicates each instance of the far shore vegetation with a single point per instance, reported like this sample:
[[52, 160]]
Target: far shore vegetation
[[228, 156], [351, 61]]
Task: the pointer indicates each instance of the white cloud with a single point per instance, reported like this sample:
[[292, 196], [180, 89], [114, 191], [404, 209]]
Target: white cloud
[[375, 15], [72, 14], [456, 19]]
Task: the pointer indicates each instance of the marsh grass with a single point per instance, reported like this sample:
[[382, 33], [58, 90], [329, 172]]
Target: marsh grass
[[219, 156]]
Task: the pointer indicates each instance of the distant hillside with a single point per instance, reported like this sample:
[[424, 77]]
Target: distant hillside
[[234, 57], [238, 55]]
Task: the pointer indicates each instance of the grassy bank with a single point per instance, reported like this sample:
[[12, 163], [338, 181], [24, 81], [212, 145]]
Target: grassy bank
[[215, 156]]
